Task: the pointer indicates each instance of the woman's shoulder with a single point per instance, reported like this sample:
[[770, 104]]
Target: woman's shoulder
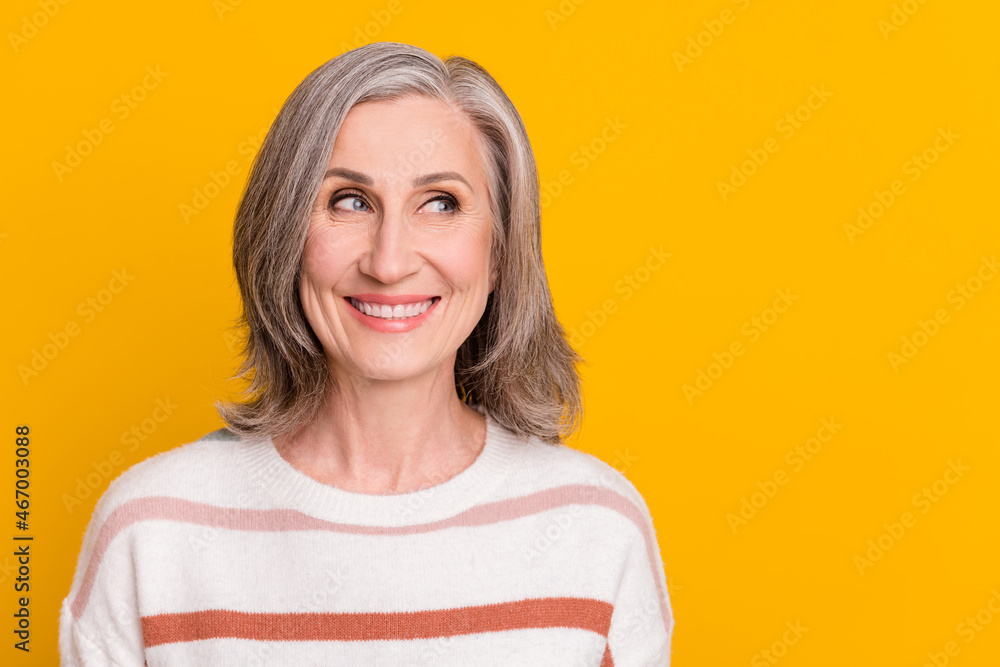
[[204, 457], [568, 481], [187, 470], [563, 465]]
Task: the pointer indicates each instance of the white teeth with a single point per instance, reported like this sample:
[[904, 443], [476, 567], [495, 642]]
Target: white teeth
[[400, 312]]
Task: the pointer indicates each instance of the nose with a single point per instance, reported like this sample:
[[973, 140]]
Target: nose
[[391, 256]]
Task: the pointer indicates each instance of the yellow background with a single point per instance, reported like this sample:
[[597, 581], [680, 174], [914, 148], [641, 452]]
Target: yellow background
[[574, 71]]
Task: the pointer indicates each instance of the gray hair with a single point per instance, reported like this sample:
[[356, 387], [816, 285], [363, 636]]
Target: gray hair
[[516, 363]]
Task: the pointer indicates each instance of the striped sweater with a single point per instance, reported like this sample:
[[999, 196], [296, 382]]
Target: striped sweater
[[219, 552]]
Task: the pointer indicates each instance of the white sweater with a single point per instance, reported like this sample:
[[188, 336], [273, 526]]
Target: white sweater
[[219, 552]]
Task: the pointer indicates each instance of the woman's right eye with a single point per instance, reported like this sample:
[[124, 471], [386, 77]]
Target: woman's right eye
[[351, 203]]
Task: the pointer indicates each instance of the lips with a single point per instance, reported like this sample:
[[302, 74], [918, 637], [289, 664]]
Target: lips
[[391, 311]]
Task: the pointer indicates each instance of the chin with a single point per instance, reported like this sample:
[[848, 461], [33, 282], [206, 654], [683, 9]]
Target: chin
[[385, 365]]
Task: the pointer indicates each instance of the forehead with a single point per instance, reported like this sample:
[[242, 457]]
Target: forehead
[[405, 136]]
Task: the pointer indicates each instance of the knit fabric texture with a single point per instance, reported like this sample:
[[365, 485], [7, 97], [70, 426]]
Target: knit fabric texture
[[219, 552]]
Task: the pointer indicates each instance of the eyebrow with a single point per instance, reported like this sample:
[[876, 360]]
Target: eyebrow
[[427, 179], [420, 181], [350, 175]]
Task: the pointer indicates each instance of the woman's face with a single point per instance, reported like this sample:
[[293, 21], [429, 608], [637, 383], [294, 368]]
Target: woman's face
[[396, 267]]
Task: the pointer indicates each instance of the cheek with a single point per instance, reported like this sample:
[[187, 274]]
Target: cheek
[[323, 262], [467, 260]]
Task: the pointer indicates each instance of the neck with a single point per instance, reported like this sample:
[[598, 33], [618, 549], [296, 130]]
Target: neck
[[380, 436]]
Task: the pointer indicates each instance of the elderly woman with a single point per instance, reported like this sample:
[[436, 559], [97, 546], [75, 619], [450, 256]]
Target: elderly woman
[[394, 488]]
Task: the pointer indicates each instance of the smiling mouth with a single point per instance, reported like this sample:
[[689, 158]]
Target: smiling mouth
[[403, 311]]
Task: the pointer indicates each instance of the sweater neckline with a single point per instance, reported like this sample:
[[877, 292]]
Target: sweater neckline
[[294, 489]]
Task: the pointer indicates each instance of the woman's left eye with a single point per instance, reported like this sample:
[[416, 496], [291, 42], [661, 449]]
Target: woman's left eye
[[442, 204]]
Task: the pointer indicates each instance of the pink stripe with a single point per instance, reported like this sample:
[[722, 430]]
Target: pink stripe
[[164, 508]]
